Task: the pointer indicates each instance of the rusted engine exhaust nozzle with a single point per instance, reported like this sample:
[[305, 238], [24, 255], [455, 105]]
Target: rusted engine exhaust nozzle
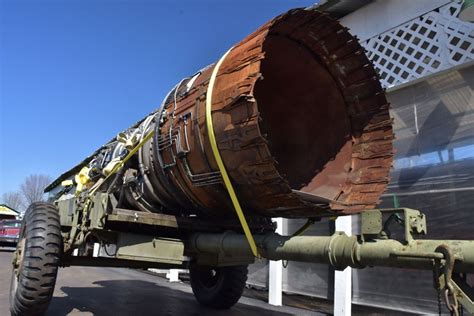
[[301, 123]]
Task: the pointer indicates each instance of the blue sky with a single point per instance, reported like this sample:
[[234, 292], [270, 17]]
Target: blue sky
[[73, 74]]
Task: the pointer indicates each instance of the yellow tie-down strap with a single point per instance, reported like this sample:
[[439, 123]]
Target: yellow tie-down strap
[[220, 163], [122, 162]]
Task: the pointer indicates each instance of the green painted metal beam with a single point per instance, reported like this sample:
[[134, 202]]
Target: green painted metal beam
[[339, 250]]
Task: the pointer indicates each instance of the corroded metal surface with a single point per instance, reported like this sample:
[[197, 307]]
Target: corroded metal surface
[[300, 119], [296, 105]]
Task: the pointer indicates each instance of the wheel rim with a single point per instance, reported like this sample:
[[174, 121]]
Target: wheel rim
[[13, 286], [20, 254], [17, 266]]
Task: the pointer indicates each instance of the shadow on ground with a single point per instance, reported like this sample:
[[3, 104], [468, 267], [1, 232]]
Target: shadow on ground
[[136, 297]]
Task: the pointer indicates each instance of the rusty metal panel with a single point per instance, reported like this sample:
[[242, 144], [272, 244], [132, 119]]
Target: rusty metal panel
[[300, 120], [296, 106]]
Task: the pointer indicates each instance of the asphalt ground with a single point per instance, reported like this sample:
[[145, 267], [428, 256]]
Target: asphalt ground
[[119, 291]]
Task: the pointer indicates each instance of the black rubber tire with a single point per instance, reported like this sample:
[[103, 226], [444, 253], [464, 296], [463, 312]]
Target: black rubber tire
[[32, 283], [218, 288]]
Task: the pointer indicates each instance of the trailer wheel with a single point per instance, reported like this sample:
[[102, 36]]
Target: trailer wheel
[[219, 287], [36, 260]]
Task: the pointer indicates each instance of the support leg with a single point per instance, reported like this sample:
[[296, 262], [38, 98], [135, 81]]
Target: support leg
[[276, 274], [343, 279]]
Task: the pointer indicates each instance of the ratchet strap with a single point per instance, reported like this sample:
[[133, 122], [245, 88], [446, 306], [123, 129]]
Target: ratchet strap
[[220, 163]]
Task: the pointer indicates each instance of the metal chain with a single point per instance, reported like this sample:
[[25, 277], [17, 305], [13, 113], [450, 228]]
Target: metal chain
[[446, 272], [452, 306], [440, 303]]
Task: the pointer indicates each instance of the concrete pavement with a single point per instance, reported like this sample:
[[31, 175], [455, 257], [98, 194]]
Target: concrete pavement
[[117, 291]]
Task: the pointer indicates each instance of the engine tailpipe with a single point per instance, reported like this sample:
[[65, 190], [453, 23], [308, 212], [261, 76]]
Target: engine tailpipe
[[301, 122]]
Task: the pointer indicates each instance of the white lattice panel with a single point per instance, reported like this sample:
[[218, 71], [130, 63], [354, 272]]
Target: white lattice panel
[[435, 41]]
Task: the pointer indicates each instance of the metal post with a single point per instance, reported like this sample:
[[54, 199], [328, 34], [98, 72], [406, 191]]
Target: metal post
[[96, 250], [275, 279], [343, 279], [173, 275]]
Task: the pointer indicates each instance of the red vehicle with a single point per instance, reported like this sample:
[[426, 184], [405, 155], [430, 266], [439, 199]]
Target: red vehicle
[[9, 232]]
